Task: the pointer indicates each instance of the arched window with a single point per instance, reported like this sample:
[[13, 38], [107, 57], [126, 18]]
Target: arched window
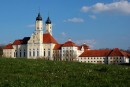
[[20, 54], [48, 52], [30, 53], [16, 54], [33, 52], [24, 54]]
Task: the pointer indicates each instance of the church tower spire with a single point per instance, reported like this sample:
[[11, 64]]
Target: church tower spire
[[48, 26], [39, 25]]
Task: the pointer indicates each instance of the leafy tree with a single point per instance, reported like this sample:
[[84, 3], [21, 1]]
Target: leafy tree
[[1, 50], [57, 55], [70, 55]]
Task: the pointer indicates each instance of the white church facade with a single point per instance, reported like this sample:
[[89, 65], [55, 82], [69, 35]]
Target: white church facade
[[43, 45]]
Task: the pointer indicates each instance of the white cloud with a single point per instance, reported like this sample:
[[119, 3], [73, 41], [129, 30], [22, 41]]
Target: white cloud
[[121, 6], [31, 25], [63, 34], [62, 37], [75, 20], [90, 43], [92, 16], [85, 9]]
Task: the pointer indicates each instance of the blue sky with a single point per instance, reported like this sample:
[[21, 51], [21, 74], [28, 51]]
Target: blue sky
[[99, 23]]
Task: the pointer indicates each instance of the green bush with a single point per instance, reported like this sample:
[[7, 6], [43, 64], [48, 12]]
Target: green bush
[[1, 51]]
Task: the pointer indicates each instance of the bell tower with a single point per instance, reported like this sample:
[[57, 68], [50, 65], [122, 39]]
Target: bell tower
[[35, 43], [48, 26], [39, 25], [39, 29]]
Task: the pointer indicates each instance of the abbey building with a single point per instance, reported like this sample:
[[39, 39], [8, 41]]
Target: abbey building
[[43, 45]]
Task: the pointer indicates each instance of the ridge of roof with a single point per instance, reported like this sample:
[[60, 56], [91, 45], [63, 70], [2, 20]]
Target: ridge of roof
[[116, 52], [126, 54], [95, 53], [104, 53], [9, 46], [85, 46], [21, 41], [69, 43], [18, 42]]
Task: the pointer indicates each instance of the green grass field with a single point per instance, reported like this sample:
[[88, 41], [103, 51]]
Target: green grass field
[[43, 73]]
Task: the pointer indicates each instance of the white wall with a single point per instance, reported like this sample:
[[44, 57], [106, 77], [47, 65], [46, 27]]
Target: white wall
[[100, 60]]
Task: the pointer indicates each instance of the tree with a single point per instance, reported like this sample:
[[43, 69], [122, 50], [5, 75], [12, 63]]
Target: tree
[[70, 55], [1, 50], [57, 55]]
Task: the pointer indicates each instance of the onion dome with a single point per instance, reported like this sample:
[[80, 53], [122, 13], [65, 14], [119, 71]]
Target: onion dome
[[48, 21], [39, 17]]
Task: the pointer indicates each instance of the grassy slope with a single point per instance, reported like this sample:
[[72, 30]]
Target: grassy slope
[[41, 73]]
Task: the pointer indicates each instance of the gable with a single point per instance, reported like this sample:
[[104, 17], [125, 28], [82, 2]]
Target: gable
[[47, 38], [116, 52]]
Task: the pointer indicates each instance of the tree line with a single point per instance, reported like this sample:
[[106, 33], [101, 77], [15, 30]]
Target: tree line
[[1, 50]]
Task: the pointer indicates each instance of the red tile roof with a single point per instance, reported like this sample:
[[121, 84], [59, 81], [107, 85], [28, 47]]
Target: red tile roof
[[125, 54], [79, 47], [84, 46], [104, 53], [47, 38], [69, 44], [95, 53], [116, 52], [58, 47], [21, 41], [9, 46], [18, 42]]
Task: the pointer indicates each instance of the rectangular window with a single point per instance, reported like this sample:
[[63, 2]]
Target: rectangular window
[[30, 53], [44, 53], [16, 54], [37, 53], [24, 54], [20, 54], [48, 53], [33, 53]]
